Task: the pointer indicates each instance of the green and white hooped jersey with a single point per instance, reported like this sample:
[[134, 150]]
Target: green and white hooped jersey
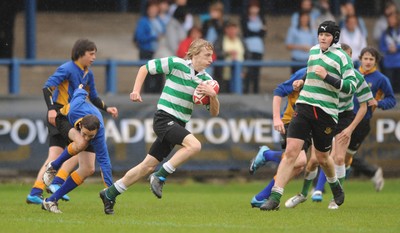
[[181, 81], [363, 94], [317, 92]]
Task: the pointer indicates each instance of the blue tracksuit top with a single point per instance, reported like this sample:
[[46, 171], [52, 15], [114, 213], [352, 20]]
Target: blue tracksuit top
[[80, 108]]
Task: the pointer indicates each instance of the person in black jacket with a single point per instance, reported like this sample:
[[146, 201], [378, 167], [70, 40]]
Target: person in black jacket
[[254, 30]]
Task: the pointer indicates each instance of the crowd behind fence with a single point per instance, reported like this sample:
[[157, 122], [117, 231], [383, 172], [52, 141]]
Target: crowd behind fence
[[111, 74]]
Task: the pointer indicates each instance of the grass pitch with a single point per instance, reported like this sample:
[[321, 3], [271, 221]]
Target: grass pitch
[[199, 207]]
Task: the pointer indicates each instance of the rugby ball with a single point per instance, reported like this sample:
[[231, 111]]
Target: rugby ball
[[202, 99]]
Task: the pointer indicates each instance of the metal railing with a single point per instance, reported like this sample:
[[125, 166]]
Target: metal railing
[[111, 65]]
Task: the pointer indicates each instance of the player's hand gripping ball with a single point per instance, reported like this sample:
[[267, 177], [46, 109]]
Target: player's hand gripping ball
[[200, 97]]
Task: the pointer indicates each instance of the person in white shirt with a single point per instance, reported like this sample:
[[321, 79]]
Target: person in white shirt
[[351, 34]]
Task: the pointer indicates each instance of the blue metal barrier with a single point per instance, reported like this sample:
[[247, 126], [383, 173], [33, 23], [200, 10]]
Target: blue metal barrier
[[111, 65]]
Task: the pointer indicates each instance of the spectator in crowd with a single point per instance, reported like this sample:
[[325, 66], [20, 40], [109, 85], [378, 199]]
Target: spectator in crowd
[[188, 24], [324, 13], [381, 23], [347, 8], [300, 39], [164, 15], [305, 6], [148, 32], [175, 31], [229, 47], [351, 34], [254, 31], [174, 34], [213, 28], [193, 34], [389, 45]]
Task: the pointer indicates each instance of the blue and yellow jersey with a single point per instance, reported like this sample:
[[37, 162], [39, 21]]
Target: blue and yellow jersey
[[286, 89], [66, 79], [381, 90], [80, 108]]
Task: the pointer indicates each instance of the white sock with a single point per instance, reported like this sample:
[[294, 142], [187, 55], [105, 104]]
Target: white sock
[[331, 179], [168, 167], [340, 171], [277, 189], [311, 175], [120, 186]]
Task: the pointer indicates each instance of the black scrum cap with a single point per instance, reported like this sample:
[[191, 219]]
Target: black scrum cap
[[330, 27]]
